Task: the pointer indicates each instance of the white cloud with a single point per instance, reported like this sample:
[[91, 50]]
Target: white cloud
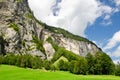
[[116, 61], [116, 53], [112, 48], [113, 41], [106, 22], [107, 12], [107, 17], [117, 2], [106, 9], [41, 8], [73, 16]]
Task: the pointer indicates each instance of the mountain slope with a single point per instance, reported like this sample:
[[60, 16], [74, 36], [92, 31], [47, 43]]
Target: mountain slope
[[21, 32]]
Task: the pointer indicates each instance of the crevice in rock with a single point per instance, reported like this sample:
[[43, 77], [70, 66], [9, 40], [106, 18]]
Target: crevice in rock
[[3, 43]]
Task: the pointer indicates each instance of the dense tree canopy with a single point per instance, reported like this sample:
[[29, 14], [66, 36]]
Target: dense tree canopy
[[97, 64], [117, 69], [100, 64]]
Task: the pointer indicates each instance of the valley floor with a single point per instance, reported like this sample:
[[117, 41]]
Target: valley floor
[[16, 73]]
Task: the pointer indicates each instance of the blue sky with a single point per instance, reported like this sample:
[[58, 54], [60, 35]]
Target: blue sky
[[97, 20], [102, 33]]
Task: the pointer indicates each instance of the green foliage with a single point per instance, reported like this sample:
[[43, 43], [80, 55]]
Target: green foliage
[[66, 33], [100, 64], [18, 0], [14, 26], [47, 65], [16, 73], [91, 61], [117, 69], [63, 65], [2, 0], [67, 54], [63, 32], [1, 59], [103, 64], [9, 59], [18, 60], [29, 15], [78, 67], [39, 44], [72, 65], [29, 61], [25, 60], [57, 62], [37, 62], [23, 43], [53, 68], [49, 39]]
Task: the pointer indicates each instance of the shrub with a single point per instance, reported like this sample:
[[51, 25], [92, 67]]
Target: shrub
[[14, 26], [9, 59], [117, 69], [63, 65], [38, 44], [65, 53], [78, 67], [1, 59], [37, 62], [103, 64], [47, 64]]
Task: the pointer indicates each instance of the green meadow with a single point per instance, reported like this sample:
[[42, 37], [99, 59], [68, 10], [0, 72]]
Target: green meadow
[[15, 73]]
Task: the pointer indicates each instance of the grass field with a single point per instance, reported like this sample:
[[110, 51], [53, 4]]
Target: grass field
[[16, 73]]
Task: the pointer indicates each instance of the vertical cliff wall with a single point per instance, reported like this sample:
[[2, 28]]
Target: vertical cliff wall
[[20, 32]]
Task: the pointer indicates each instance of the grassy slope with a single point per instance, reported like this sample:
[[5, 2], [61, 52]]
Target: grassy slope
[[15, 73], [61, 58]]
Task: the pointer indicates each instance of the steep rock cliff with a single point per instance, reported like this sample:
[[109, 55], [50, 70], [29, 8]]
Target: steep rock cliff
[[18, 26], [20, 32]]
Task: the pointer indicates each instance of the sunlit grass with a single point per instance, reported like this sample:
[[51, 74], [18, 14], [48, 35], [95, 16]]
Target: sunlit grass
[[16, 73]]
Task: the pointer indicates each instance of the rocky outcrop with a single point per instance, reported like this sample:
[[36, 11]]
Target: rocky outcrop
[[24, 34], [49, 50], [17, 26], [78, 47]]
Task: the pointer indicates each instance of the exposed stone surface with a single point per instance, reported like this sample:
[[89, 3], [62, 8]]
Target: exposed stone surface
[[49, 50], [17, 12], [78, 47], [18, 26]]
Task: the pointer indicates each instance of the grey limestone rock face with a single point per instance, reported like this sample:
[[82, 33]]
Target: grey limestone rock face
[[18, 26], [78, 47], [49, 50]]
